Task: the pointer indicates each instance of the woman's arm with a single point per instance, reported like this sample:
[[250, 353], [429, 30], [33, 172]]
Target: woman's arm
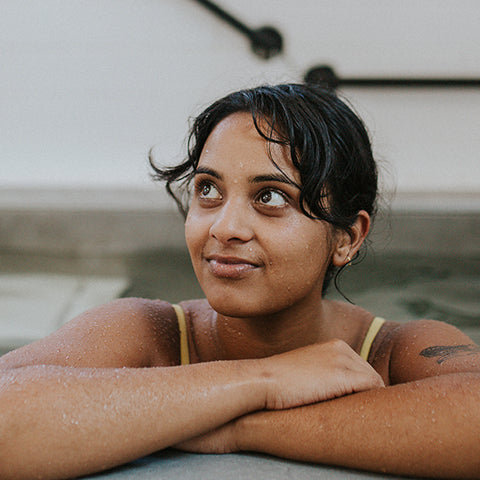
[[60, 422], [426, 426], [70, 419], [78, 401]]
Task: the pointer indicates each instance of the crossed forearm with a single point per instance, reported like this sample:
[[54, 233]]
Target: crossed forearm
[[74, 421], [427, 428]]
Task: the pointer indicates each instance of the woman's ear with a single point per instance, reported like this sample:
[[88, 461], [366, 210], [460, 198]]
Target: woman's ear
[[348, 243]]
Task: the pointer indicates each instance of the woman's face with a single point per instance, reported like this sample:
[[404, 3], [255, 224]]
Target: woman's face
[[253, 250]]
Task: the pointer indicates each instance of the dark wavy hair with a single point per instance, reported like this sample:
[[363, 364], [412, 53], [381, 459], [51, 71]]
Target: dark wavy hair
[[328, 144]]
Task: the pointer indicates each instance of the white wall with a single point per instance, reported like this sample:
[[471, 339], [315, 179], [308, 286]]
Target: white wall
[[87, 87]]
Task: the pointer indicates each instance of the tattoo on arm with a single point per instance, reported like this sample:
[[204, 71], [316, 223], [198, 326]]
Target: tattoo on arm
[[444, 352]]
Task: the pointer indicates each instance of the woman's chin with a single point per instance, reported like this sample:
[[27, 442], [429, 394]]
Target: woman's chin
[[235, 308]]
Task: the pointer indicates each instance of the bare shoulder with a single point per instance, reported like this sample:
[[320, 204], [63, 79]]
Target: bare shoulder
[[128, 332], [425, 348]]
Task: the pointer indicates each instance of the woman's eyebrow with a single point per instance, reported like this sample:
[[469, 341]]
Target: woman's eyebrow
[[207, 171], [273, 177]]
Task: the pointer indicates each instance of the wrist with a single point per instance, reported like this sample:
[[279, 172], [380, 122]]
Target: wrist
[[258, 384]]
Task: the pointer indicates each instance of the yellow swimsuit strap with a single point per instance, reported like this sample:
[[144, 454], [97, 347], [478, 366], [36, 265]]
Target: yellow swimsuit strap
[[184, 355], [372, 331]]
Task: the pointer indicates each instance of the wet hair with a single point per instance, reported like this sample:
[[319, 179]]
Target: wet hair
[[328, 144]]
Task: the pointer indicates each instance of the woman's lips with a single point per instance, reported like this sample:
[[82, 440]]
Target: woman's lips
[[230, 267]]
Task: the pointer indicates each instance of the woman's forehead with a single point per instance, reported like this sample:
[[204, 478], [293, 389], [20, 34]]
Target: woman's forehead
[[236, 139]]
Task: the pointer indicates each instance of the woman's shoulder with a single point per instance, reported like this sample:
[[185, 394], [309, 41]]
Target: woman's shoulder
[[411, 350], [403, 351], [126, 332], [148, 329], [159, 323]]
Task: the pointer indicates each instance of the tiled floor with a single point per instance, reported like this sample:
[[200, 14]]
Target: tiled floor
[[34, 304], [38, 294]]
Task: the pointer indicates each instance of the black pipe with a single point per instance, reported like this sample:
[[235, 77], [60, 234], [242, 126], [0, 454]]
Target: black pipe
[[265, 41], [220, 13], [325, 75]]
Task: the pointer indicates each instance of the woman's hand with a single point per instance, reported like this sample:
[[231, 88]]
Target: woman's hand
[[316, 373]]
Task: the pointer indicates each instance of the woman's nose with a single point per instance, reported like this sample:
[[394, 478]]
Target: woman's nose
[[232, 223]]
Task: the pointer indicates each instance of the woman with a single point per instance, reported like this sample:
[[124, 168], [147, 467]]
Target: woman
[[282, 193]]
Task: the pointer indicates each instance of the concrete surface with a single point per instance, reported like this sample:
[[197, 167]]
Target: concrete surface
[[174, 465]]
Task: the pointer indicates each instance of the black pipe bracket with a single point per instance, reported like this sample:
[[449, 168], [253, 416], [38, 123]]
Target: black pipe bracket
[[266, 42]]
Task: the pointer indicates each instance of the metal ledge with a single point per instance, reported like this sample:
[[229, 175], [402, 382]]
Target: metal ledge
[[112, 222]]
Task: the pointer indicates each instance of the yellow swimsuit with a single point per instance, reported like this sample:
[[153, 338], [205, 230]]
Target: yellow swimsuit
[[184, 355], [372, 331], [374, 328]]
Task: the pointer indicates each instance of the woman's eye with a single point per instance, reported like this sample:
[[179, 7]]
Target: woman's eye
[[208, 191], [272, 198]]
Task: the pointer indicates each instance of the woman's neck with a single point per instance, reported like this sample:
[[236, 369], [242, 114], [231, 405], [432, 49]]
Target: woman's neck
[[236, 338]]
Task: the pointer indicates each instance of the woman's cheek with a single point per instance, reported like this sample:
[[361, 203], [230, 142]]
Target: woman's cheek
[[193, 229]]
